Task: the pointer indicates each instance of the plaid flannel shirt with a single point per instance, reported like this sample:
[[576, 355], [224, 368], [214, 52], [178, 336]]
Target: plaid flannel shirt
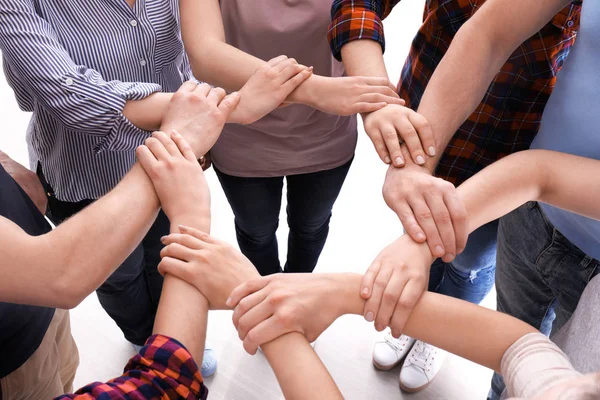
[[509, 116], [163, 369]]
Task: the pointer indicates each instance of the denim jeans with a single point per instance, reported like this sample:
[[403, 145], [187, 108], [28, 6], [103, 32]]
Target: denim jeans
[[541, 274], [470, 276], [131, 294], [256, 203]]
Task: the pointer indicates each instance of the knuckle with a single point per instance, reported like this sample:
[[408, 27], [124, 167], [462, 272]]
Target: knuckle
[[407, 302], [380, 284], [389, 297], [425, 215]]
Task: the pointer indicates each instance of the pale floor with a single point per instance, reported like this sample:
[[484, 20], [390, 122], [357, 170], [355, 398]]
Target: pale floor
[[362, 225]]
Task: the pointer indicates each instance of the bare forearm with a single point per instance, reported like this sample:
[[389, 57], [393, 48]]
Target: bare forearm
[[300, 372], [364, 58], [559, 179], [147, 114], [451, 324]]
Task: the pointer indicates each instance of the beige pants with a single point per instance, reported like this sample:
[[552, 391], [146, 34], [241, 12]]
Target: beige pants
[[50, 371]]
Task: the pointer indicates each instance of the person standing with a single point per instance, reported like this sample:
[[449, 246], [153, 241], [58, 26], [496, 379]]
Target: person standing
[[505, 121]]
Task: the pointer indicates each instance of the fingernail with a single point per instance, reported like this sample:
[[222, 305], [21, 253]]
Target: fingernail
[[420, 236], [228, 302], [378, 327], [369, 317], [449, 256], [387, 160], [420, 160], [439, 250], [183, 228], [366, 291], [162, 239], [399, 161], [175, 133]]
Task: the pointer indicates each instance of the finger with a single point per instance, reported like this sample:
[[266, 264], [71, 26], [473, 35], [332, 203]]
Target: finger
[[379, 81], [274, 61], [374, 302], [168, 143], [264, 332], [441, 217], [409, 222], [188, 86], [157, 149], [411, 138], [178, 251], [253, 318], [458, 213], [246, 304], [290, 71], [202, 89], [391, 295], [285, 64], [425, 220], [390, 137], [183, 239], [229, 103], [410, 296], [425, 132], [363, 107], [183, 146], [216, 95], [198, 234], [175, 267], [373, 97], [297, 80], [146, 158], [368, 279], [379, 144], [247, 289]]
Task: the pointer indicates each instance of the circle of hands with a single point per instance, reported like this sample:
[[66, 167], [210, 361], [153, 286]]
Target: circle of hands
[[266, 308]]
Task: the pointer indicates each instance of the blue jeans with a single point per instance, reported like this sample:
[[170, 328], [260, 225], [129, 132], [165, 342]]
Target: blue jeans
[[470, 276], [256, 203], [541, 274]]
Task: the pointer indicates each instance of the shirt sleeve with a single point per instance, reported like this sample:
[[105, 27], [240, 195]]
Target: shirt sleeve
[[534, 364], [163, 369], [357, 19], [76, 96]]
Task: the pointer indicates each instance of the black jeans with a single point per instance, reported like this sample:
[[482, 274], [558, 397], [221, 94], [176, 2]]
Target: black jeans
[[256, 203], [131, 294]]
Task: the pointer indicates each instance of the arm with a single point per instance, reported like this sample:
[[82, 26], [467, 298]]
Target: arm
[[61, 268], [78, 97], [28, 180], [477, 53], [215, 61]]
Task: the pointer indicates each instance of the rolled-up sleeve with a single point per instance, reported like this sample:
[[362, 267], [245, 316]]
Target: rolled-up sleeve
[[76, 96], [163, 369], [357, 19]]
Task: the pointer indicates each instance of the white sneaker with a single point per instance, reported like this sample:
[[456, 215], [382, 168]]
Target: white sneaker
[[390, 352], [421, 366]]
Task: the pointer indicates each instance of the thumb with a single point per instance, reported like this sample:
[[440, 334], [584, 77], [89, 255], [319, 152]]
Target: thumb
[[229, 103]]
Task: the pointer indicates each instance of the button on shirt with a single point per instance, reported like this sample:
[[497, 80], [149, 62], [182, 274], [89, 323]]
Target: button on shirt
[[74, 68], [508, 118]]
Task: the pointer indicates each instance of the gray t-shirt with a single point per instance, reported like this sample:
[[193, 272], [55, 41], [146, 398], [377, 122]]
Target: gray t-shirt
[[296, 139], [571, 122]]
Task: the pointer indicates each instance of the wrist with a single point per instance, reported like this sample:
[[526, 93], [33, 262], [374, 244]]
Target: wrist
[[346, 287], [307, 92], [196, 220]]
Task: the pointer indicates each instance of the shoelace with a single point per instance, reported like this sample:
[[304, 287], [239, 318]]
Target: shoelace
[[396, 344], [421, 356]]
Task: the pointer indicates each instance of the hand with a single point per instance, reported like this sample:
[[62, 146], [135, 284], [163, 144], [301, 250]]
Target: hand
[[176, 174], [347, 95], [395, 123], [214, 267], [395, 282], [272, 306], [268, 88], [429, 209], [205, 161], [28, 180], [198, 113]]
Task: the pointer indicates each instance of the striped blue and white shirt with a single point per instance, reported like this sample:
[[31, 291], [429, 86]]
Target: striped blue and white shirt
[[74, 64]]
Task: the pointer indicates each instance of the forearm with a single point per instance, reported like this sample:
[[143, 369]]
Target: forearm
[[536, 175], [364, 58], [147, 114], [468, 330], [300, 372]]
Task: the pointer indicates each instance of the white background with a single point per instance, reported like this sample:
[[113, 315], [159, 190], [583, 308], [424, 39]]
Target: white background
[[361, 226]]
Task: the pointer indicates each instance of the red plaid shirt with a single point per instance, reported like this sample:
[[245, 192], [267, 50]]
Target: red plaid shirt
[[508, 118], [164, 370]]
